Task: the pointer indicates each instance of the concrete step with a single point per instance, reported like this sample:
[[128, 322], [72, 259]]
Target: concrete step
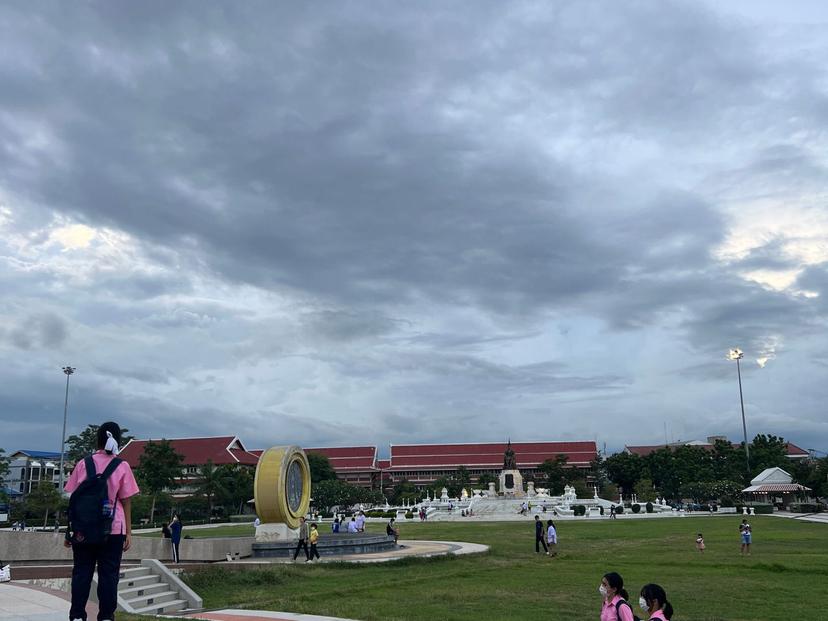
[[134, 572], [164, 608], [140, 581], [149, 589], [142, 601]]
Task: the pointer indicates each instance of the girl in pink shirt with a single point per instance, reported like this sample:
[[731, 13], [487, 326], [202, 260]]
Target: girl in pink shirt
[[98, 546], [654, 601], [615, 607]]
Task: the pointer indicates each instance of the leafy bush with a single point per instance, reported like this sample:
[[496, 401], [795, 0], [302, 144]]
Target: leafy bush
[[579, 510], [619, 509], [409, 515], [649, 507], [602, 510], [762, 508], [636, 508], [803, 507]]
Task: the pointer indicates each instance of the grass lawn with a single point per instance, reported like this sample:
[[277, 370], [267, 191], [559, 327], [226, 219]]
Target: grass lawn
[[783, 579]]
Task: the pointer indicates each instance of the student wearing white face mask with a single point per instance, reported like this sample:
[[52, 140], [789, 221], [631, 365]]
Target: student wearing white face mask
[[615, 607], [653, 600]]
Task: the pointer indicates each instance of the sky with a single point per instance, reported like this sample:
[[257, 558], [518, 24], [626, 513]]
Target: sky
[[362, 223]]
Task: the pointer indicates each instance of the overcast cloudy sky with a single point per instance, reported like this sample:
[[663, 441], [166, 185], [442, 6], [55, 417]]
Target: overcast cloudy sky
[[374, 222]]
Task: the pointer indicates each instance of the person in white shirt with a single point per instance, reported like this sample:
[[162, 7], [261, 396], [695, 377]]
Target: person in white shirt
[[551, 538], [352, 526], [360, 522]]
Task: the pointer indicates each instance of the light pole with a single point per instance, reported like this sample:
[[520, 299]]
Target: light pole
[[68, 371], [737, 354]]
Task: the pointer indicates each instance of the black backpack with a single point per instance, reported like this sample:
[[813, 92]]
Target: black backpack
[[90, 514], [627, 604]]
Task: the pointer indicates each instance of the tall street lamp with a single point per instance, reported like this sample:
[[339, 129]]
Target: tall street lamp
[[68, 371], [737, 354]]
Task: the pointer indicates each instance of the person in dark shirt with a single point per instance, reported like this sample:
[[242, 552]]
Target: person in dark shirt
[[540, 539]]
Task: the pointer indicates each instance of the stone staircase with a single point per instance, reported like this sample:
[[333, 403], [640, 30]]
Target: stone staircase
[[152, 589]]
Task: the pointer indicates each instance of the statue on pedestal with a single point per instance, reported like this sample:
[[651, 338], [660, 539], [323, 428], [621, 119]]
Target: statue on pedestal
[[509, 461]]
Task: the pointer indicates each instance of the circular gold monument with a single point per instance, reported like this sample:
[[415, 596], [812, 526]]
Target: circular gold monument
[[282, 486]]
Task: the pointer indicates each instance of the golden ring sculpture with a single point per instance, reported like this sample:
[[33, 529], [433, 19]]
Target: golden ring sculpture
[[282, 487]]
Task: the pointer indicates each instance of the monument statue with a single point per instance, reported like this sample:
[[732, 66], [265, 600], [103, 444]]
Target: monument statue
[[282, 492], [509, 462], [511, 480]]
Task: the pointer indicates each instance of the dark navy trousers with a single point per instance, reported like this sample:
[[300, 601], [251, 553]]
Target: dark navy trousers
[[107, 557]]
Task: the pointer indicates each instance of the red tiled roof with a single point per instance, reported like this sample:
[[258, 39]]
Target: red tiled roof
[[348, 458], [196, 451], [792, 450], [776, 487], [487, 454], [384, 464], [645, 450]]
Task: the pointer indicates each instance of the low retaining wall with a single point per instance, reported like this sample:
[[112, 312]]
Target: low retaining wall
[[17, 546], [328, 545]]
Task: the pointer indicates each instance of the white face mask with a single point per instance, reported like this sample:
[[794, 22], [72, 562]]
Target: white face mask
[[643, 603], [602, 590]]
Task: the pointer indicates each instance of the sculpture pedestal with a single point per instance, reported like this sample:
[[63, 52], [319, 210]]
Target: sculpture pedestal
[[276, 532], [511, 483]]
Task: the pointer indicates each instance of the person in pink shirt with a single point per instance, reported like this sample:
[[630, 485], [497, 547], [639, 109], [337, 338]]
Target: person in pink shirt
[[99, 537], [615, 607], [653, 600]]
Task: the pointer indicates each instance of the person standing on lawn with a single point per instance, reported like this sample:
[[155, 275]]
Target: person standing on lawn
[[747, 536], [552, 538]]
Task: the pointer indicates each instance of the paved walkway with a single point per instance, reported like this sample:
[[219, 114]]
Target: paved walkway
[[23, 602]]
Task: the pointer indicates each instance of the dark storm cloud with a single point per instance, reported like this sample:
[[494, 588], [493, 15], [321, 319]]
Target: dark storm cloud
[[42, 330], [415, 192], [371, 174]]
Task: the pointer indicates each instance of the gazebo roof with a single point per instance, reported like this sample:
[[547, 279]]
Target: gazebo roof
[[776, 487]]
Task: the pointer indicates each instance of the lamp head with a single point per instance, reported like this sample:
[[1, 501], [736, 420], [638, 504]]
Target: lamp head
[[735, 354]]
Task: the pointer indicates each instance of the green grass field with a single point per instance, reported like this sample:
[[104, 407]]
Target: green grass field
[[783, 579]]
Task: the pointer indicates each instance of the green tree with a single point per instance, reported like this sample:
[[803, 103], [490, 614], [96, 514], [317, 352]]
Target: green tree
[[4, 467], [484, 479], [86, 442], [462, 478], [554, 473], [213, 483], [404, 490], [645, 490], [159, 468], [768, 451], [241, 487], [728, 461], [624, 469], [336, 493], [44, 498], [320, 468]]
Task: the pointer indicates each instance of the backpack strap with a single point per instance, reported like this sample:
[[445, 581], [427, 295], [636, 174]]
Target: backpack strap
[[618, 606], [90, 467], [111, 467]]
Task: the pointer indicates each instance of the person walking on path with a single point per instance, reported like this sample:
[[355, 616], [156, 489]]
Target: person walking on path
[[615, 607], [100, 522], [540, 540], [303, 540], [747, 536], [653, 600], [551, 538], [314, 539], [175, 537]]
